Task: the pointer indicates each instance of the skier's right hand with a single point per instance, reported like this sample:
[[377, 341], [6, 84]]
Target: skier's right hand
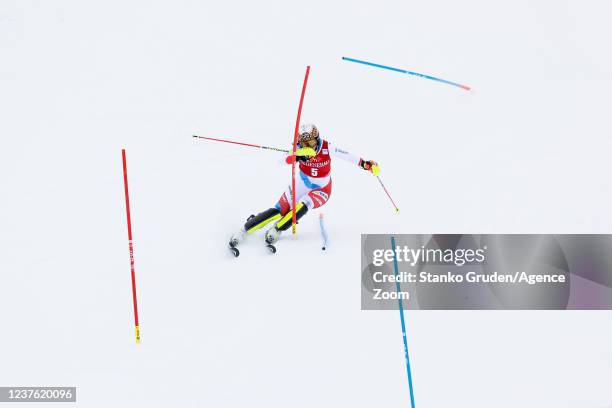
[[302, 154], [306, 152]]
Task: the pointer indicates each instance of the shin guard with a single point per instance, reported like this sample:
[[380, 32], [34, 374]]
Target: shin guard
[[284, 223], [261, 219]]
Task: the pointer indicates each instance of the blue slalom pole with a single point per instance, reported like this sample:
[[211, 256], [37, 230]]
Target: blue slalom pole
[[401, 310], [403, 71]]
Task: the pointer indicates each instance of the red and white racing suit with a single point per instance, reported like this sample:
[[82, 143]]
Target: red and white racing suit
[[313, 183]]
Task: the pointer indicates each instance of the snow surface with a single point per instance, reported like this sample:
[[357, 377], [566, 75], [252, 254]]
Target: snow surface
[[528, 151]]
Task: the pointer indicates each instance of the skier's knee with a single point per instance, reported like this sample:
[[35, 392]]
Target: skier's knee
[[285, 222], [283, 204]]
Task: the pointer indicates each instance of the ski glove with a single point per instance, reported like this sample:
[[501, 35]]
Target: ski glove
[[370, 165], [302, 154]]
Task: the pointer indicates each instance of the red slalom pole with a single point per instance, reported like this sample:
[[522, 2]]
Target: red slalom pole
[[242, 144], [295, 138], [129, 226]]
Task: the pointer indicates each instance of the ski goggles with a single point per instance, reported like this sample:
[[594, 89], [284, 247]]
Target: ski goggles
[[313, 143]]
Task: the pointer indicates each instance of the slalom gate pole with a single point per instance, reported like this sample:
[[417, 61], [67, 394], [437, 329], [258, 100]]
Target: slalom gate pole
[[323, 233], [131, 246], [397, 210], [243, 144], [295, 139], [403, 71], [401, 310]]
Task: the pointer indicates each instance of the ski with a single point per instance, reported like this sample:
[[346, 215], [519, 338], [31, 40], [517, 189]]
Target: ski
[[234, 250]]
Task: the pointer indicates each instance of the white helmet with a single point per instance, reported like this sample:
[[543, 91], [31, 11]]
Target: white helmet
[[308, 132]]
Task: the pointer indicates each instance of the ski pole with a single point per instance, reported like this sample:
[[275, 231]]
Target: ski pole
[[242, 144], [397, 210], [323, 233], [403, 71]]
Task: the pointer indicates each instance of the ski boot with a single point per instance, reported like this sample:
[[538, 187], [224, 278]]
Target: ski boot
[[235, 240], [271, 237]]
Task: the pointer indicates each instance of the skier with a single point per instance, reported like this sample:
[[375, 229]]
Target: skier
[[313, 186]]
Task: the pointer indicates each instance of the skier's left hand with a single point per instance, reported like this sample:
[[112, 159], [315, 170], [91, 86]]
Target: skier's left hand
[[370, 165]]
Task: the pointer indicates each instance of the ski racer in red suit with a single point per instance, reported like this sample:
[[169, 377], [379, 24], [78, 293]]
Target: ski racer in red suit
[[313, 185]]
